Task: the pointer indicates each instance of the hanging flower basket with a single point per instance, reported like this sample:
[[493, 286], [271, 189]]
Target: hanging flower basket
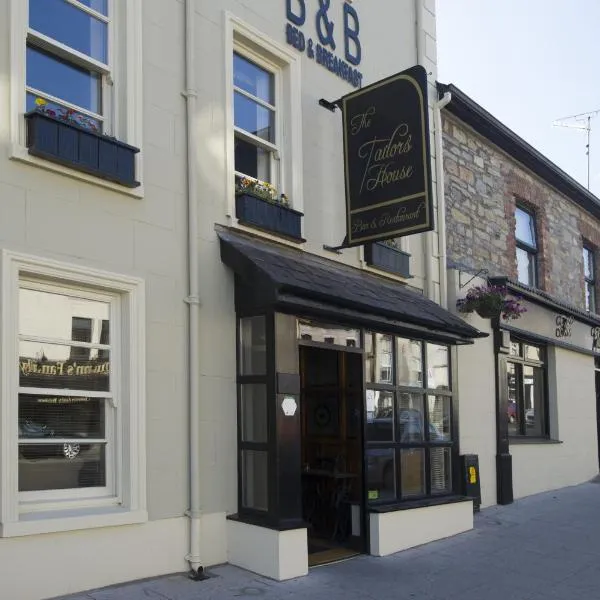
[[490, 301]]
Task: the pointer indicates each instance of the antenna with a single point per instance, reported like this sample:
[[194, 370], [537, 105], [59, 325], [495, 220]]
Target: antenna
[[586, 119]]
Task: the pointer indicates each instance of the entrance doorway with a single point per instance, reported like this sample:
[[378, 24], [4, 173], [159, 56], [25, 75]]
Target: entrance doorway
[[332, 453]]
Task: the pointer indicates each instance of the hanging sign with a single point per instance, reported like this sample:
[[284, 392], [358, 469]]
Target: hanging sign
[[387, 159]]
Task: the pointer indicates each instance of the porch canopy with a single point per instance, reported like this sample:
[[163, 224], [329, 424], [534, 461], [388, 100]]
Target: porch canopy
[[277, 277]]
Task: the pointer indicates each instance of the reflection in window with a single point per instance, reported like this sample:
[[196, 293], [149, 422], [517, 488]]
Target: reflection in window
[[328, 333], [383, 359], [438, 376], [412, 467], [381, 474], [409, 362], [253, 346], [527, 404], [589, 278], [526, 247], [380, 416]]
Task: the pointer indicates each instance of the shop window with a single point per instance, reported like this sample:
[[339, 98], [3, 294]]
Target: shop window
[[527, 401], [254, 437], [71, 398], [525, 235], [589, 276], [409, 436]]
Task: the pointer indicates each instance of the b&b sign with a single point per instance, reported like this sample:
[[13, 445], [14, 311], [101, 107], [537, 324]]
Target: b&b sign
[[387, 159]]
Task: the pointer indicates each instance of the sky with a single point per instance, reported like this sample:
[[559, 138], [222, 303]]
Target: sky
[[529, 63]]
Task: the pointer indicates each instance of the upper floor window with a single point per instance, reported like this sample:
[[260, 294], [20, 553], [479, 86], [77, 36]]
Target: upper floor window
[[68, 59], [589, 276], [255, 120], [525, 235]]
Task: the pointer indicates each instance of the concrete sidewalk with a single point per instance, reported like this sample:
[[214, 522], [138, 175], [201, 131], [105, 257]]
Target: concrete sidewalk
[[543, 547]]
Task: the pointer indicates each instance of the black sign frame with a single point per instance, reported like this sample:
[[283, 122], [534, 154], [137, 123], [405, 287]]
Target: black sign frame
[[403, 205]]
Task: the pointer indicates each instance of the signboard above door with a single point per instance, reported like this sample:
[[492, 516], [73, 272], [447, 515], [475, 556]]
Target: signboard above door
[[387, 159]]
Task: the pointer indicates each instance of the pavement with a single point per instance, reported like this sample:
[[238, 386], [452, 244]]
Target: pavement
[[545, 546]]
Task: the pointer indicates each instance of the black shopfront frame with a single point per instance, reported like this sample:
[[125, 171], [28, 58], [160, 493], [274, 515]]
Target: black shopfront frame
[[284, 432]]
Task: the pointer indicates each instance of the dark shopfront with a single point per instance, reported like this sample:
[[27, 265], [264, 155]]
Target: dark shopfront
[[364, 419]]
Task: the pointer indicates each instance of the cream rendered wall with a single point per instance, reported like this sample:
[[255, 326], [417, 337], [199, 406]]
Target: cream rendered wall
[[541, 467], [476, 392], [389, 45], [54, 216]]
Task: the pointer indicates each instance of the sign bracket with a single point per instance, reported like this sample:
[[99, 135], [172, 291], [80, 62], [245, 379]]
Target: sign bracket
[[332, 106]]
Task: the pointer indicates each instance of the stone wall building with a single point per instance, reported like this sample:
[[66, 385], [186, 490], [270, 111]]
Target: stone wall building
[[515, 219]]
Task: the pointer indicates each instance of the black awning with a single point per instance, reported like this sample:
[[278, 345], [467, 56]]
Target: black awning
[[305, 284]]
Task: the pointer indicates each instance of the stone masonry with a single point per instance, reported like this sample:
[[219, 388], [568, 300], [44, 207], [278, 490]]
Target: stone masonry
[[482, 187]]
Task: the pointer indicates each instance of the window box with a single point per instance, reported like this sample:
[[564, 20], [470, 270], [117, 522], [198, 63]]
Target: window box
[[270, 216], [75, 147], [389, 259]]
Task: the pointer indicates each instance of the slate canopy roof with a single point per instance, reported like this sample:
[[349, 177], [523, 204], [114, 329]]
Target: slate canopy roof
[[306, 284]]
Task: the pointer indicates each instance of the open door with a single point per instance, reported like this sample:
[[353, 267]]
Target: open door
[[332, 455]]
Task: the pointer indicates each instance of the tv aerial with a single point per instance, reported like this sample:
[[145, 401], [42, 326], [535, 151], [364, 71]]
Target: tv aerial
[[583, 122]]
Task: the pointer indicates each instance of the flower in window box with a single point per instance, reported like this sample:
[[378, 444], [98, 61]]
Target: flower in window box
[[68, 115], [490, 301], [260, 189]]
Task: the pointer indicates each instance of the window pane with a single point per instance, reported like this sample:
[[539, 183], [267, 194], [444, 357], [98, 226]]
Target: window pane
[[515, 348], [254, 412], [513, 409], [410, 418], [255, 479], [49, 315], [100, 6], [438, 371], [43, 416], [254, 118], [61, 466], [51, 366], [412, 470], [409, 362], [441, 471], [252, 160], [381, 474], [321, 332], [525, 267], [588, 263], [439, 418], [253, 346], [525, 227], [71, 26], [57, 110], [253, 79], [533, 398], [63, 80], [380, 416], [383, 359], [533, 352], [590, 297]]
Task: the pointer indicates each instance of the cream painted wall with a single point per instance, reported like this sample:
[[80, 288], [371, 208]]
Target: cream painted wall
[[541, 467]]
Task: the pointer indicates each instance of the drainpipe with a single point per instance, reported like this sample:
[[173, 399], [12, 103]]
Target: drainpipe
[[425, 237], [441, 196], [193, 301]]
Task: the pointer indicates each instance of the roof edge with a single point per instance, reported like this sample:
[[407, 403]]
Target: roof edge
[[467, 110]]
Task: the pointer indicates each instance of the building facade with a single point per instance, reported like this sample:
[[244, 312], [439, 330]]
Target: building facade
[[528, 392], [183, 364]]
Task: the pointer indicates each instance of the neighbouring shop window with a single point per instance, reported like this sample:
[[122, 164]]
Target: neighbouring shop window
[[67, 409], [253, 435], [589, 276], [257, 151], [525, 235], [527, 401], [409, 436]]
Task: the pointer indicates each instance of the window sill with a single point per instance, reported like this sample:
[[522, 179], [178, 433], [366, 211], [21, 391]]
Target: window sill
[[21, 154], [421, 503], [263, 521], [71, 520], [523, 440]]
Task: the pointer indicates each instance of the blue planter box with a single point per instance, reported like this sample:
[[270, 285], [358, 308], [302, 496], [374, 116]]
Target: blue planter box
[[388, 259], [78, 148], [276, 218]]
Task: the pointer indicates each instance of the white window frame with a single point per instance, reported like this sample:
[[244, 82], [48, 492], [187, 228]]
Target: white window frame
[[124, 499], [252, 43], [122, 94], [41, 41], [276, 168]]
